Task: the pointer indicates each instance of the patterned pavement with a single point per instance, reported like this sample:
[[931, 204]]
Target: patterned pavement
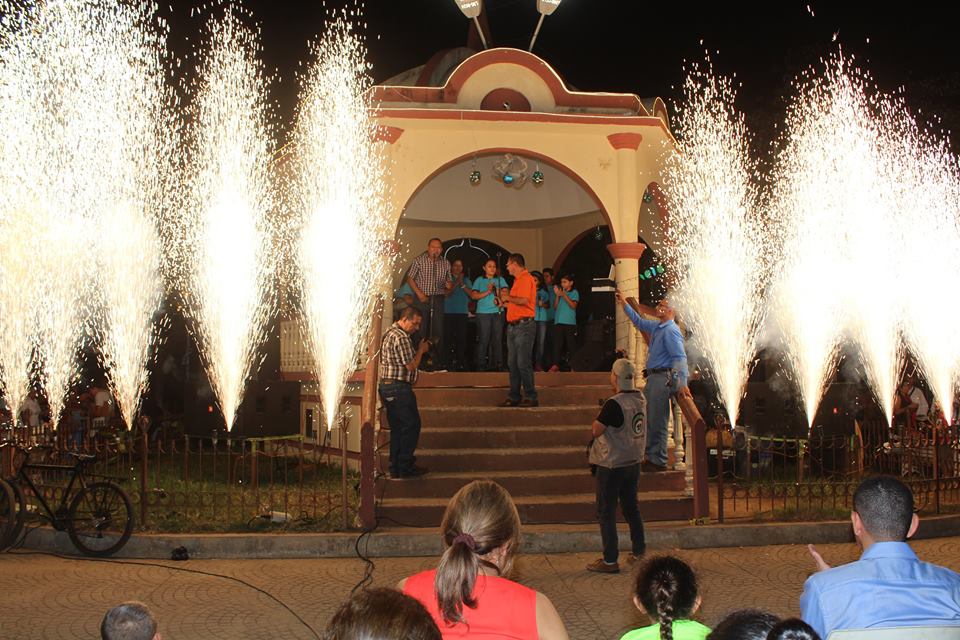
[[42, 596]]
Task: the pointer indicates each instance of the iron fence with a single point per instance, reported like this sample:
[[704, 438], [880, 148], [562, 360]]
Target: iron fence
[[212, 483], [815, 477]]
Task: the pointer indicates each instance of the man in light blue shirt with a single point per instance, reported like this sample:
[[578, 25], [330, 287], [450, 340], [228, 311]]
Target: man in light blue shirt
[[666, 374], [888, 586]]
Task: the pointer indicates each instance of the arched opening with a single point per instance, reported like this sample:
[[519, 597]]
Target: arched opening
[[478, 214]]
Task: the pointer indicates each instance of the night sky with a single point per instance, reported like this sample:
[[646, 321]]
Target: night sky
[[602, 45]]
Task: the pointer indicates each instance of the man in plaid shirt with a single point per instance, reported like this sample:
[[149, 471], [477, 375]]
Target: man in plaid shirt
[[398, 371], [429, 277]]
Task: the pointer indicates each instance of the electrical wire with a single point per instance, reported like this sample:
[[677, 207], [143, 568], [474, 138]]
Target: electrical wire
[[181, 569]]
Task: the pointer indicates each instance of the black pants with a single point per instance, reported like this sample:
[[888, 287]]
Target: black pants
[[619, 485], [432, 324], [455, 335], [404, 418], [564, 343]]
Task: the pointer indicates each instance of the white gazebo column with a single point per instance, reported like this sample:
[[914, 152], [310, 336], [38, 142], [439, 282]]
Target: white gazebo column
[[625, 256], [625, 250]]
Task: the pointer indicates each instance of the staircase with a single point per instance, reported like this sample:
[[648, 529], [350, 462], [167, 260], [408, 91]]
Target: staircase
[[537, 454]]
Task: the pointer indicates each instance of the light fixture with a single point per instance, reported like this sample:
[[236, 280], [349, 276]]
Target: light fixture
[[511, 170], [545, 7], [471, 9]]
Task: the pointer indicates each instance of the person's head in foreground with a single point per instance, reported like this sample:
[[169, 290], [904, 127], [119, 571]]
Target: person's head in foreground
[[666, 590], [129, 621], [480, 529], [745, 624], [382, 614], [883, 511], [793, 629]]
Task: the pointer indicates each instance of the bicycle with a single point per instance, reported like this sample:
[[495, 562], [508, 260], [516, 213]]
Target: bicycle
[[97, 516]]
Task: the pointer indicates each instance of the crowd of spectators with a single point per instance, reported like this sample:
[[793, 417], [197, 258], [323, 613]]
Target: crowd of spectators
[[470, 594]]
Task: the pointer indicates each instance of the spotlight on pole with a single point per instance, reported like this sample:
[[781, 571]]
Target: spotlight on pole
[[471, 9], [545, 7]]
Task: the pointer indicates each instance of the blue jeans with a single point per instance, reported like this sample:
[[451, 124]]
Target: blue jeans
[[489, 330], [541, 344], [613, 486], [520, 358], [404, 418], [658, 416]]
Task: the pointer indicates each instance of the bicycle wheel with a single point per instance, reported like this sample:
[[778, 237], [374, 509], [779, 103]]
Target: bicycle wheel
[[8, 514], [20, 503], [101, 519]]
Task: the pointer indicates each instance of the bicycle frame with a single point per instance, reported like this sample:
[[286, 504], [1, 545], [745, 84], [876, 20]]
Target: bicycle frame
[[57, 518]]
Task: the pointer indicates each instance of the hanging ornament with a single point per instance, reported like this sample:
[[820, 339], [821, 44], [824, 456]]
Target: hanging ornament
[[475, 174], [598, 234], [537, 177], [647, 197], [511, 170]]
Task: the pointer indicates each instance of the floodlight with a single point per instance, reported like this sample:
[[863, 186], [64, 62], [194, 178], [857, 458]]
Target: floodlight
[[545, 7], [471, 9]]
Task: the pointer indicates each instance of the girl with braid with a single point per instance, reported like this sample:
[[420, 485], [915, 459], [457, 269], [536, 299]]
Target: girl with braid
[[666, 590], [467, 594]]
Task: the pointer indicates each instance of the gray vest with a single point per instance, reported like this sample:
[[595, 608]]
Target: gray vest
[[624, 445]]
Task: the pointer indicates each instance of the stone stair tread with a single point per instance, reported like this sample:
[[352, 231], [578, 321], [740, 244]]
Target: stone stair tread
[[488, 408], [509, 427], [493, 475], [576, 498], [502, 452]]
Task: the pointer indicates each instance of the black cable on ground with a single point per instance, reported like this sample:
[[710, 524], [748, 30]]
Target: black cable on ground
[[173, 568]]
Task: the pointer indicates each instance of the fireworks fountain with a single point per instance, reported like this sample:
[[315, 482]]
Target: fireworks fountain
[[70, 173], [138, 142], [927, 192], [339, 191], [221, 252], [826, 182], [710, 184]]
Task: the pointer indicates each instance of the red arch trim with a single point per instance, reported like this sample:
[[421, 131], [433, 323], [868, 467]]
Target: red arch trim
[[563, 97]]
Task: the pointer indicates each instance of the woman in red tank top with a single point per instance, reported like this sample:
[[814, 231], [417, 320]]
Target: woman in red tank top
[[467, 594]]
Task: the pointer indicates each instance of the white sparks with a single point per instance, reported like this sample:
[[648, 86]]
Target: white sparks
[[338, 183], [715, 241], [225, 266]]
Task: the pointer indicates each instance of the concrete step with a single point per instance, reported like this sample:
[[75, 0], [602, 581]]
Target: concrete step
[[518, 483], [502, 379], [467, 416], [484, 459], [537, 509], [503, 436], [589, 395]]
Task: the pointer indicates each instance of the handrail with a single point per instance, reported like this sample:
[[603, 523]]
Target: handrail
[[368, 412]]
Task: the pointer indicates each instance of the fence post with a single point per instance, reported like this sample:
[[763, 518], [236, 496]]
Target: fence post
[[143, 477], [701, 499], [368, 412], [936, 468]]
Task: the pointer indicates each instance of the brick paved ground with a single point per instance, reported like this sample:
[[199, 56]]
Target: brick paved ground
[[49, 597]]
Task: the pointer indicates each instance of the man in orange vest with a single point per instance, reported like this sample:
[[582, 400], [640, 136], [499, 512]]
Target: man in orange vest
[[521, 333]]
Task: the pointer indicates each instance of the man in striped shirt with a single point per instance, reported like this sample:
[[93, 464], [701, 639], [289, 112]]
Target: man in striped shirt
[[429, 277], [398, 371]]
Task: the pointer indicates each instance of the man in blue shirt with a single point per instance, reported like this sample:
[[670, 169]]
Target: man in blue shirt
[[888, 586], [666, 374]]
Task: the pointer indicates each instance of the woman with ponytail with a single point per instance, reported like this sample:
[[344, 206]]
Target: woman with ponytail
[[666, 590], [468, 594]]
